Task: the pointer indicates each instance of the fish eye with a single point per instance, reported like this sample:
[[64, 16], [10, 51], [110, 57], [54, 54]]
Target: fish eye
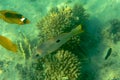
[[58, 41]]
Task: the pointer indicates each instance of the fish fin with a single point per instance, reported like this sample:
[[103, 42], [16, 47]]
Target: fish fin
[[4, 11], [77, 30]]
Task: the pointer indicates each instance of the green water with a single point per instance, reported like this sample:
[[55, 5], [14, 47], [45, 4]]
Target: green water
[[73, 60]]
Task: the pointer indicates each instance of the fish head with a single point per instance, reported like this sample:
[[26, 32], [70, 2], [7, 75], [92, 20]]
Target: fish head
[[23, 20]]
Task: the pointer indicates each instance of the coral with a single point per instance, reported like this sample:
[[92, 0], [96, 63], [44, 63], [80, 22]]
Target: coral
[[26, 46], [62, 20], [7, 69], [26, 50], [79, 15], [54, 23], [115, 30], [61, 66]]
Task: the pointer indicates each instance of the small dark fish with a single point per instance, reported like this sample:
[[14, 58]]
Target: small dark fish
[[108, 53]]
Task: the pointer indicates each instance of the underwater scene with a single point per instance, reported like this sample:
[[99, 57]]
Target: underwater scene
[[59, 40]]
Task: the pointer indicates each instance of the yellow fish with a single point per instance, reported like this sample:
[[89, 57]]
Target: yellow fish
[[6, 43], [13, 17], [53, 44]]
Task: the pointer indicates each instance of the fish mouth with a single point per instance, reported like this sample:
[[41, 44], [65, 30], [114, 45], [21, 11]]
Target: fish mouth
[[37, 55]]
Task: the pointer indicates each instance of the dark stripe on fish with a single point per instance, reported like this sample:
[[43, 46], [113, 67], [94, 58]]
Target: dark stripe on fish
[[25, 20], [108, 53], [11, 15]]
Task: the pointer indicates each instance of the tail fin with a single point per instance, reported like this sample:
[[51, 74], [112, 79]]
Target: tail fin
[[77, 30]]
